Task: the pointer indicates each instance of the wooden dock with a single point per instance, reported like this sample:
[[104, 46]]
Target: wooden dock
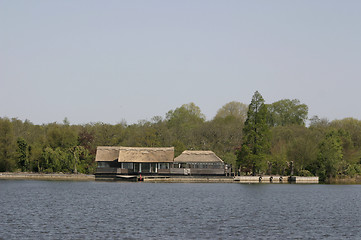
[[211, 179], [298, 179], [189, 179], [275, 179]]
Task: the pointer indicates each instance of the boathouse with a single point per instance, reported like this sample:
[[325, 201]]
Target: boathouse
[[113, 161], [198, 163]]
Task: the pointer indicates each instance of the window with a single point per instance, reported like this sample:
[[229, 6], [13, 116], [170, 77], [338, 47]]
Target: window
[[103, 164], [164, 165], [153, 167], [110, 164], [145, 167], [128, 165], [136, 167]]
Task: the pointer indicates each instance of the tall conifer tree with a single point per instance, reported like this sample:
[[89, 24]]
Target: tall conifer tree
[[256, 137]]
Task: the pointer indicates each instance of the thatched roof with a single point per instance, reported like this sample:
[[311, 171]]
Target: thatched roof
[[145, 155], [107, 154], [135, 154], [198, 157]]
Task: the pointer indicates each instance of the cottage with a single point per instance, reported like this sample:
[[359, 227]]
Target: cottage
[[146, 160], [114, 161], [198, 163], [107, 159]]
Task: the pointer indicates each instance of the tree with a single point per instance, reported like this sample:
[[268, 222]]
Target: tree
[[256, 136], [233, 110], [278, 158], [302, 148], [86, 139], [352, 126], [223, 136], [316, 122], [77, 151], [187, 114], [287, 112], [22, 154], [54, 160], [62, 136], [143, 134], [182, 124], [330, 156], [7, 145]]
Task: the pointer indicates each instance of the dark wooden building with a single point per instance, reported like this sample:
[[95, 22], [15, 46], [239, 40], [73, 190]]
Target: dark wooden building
[[114, 161], [129, 162], [198, 163]]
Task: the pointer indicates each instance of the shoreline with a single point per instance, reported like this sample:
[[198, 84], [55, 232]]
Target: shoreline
[[345, 180], [91, 177], [46, 176], [180, 179]]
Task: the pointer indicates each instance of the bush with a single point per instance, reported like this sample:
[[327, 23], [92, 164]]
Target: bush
[[305, 173], [353, 170]]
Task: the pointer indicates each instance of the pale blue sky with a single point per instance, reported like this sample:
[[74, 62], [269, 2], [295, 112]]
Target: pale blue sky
[[130, 60]]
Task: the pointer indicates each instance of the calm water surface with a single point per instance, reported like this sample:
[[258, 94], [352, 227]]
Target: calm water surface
[[111, 210]]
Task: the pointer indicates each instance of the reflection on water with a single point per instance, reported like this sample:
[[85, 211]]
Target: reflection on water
[[100, 210]]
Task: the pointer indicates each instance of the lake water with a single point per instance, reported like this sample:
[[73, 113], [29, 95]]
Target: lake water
[[113, 210]]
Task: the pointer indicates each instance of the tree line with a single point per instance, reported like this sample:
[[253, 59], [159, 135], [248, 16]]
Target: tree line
[[257, 138]]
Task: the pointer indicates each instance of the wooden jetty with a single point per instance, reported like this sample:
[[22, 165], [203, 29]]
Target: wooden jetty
[[275, 179], [212, 179], [298, 179]]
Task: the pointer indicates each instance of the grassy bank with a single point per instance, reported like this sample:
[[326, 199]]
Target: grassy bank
[[345, 180]]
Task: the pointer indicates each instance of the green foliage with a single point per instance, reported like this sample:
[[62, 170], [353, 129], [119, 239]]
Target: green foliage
[[62, 136], [179, 147], [287, 112], [229, 158], [256, 138], [233, 110], [278, 158], [222, 135], [35, 157], [145, 135], [106, 134], [183, 120], [85, 161], [305, 173], [330, 156], [184, 126], [55, 160], [7, 145], [353, 170], [327, 149], [350, 126], [22, 154], [294, 143]]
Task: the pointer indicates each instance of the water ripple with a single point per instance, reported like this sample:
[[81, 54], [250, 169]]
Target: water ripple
[[103, 210]]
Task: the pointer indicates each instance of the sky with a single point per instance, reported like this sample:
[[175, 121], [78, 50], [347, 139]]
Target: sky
[[126, 61]]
